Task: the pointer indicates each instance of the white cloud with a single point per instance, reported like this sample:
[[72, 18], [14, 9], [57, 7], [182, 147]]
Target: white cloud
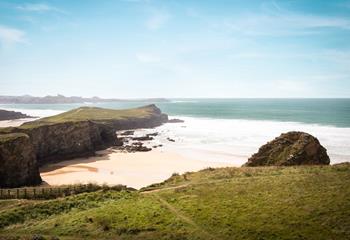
[[147, 58], [292, 24], [39, 7], [274, 20], [157, 20], [11, 35]]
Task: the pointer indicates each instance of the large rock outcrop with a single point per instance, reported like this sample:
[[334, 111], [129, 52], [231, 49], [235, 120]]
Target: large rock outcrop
[[18, 164], [292, 148], [67, 140]]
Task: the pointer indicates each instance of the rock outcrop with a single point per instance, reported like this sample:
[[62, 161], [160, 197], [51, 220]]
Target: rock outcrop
[[10, 115], [292, 148], [18, 164], [77, 133], [175, 120]]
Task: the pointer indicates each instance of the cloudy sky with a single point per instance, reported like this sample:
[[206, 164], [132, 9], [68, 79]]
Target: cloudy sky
[[175, 48]]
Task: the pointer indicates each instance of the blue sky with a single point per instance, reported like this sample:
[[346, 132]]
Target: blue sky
[[175, 48]]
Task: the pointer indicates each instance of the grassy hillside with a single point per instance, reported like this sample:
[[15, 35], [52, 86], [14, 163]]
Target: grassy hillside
[[310, 202]]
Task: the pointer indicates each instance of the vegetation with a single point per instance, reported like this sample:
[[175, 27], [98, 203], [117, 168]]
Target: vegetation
[[11, 136], [304, 202], [94, 114]]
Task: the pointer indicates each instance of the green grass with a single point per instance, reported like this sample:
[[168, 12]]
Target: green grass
[[11, 136], [93, 114], [306, 202]]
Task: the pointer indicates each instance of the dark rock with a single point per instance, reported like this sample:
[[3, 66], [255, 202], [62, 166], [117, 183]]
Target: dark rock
[[170, 140], [292, 148], [175, 120], [142, 149], [134, 148], [127, 133], [143, 138], [18, 165], [10, 115], [137, 143], [157, 146], [152, 134]]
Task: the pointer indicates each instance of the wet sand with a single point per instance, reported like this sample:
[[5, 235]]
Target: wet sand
[[132, 169]]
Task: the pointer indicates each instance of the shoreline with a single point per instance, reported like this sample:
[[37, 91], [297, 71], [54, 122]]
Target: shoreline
[[113, 167], [15, 122]]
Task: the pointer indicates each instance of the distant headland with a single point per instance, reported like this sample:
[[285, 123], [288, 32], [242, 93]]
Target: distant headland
[[59, 99]]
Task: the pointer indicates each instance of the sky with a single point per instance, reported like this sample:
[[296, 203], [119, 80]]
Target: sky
[[175, 48]]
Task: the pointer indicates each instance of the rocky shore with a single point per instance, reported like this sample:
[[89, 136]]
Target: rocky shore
[[76, 133]]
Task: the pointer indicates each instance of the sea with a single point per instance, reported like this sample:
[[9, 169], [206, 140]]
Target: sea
[[231, 130]]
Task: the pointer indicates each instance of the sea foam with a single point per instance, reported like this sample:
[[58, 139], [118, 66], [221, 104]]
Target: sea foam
[[232, 140]]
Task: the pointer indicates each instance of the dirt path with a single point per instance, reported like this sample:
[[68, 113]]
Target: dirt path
[[162, 189], [183, 217]]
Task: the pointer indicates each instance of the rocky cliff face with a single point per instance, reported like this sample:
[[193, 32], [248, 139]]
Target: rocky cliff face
[[69, 139], [18, 164], [292, 148]]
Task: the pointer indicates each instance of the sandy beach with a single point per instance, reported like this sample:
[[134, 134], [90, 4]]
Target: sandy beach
[[136, 170]]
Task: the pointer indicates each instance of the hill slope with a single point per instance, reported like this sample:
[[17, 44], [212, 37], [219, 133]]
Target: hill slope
[[309, 202]]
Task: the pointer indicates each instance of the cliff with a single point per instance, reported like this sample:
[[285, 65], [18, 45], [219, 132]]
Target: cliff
[[18, 164], [9, 115], [80, 132], [292, 148]]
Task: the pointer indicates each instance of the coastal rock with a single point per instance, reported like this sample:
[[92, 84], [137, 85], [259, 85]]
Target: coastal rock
[[127, 133], [152, 134], [18, 164], [10, 115], [134, 147], [143, 138], [292, 148], [175, 120]]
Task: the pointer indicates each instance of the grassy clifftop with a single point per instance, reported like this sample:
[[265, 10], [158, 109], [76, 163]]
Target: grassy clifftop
[[10, 137], [95, 114], [307, 202]]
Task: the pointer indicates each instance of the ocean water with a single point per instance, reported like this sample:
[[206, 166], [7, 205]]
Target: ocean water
[[230, 130]]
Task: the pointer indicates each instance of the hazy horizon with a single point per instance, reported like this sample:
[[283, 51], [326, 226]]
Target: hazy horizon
[[175, 49], [170, 98]]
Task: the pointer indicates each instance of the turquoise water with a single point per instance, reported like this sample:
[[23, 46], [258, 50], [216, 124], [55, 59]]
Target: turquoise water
[[334, 112]]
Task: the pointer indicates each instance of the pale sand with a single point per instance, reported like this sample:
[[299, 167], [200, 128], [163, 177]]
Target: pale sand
[[135, 170]]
